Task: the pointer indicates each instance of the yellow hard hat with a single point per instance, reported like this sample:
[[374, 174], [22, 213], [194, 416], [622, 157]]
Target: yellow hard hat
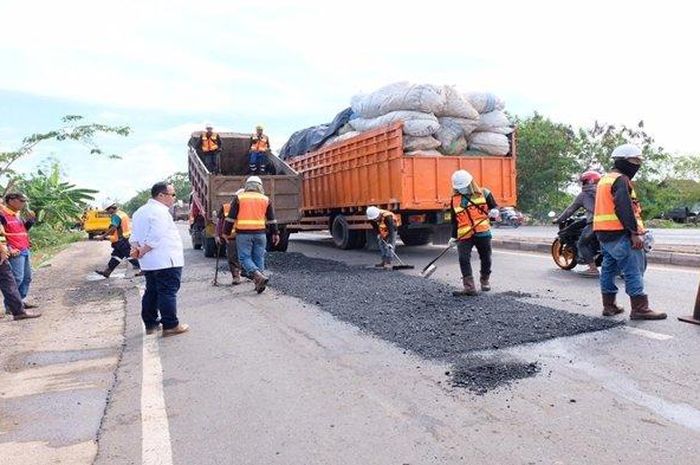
[[258, 126]]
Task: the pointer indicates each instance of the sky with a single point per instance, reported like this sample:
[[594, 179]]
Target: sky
[[165, 68]]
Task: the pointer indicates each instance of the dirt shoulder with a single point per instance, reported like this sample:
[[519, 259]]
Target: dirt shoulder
[[56, 371]]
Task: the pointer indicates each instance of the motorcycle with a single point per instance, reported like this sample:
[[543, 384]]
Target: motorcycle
[[565, 249], [508, 216]]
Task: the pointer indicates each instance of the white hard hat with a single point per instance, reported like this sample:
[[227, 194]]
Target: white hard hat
[[373, 213], [461, 179], [626, 151], [208, 126], [253, 179], [108, 204]]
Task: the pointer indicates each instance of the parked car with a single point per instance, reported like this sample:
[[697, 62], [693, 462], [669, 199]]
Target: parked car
[[684, 214]]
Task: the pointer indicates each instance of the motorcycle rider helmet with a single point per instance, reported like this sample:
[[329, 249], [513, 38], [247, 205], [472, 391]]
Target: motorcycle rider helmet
[[590, 177]]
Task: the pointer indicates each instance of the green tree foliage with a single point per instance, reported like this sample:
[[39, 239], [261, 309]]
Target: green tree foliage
[[56, 202], [547, 163], [179, 180], [73, 129]]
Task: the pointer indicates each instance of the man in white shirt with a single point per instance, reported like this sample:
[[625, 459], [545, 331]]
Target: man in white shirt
[[156, 243]]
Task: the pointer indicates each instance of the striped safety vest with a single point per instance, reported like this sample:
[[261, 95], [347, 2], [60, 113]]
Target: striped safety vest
[[252, 208], [472, 219], [381, 222], [209, 142], [260, 144], [15, 231], [124, 229], [604, 217]]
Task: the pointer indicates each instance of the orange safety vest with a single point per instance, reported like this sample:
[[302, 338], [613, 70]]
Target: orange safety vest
[[604, 216], [473, 219], [209, 142], [226, 208], [381, 222], [125, 228], [260, 144], [252, 209]]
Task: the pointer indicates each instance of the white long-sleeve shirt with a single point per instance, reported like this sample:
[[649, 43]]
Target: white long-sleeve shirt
[[153, 225]]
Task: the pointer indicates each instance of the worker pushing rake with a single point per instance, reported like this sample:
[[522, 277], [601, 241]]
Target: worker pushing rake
[[385, 225]]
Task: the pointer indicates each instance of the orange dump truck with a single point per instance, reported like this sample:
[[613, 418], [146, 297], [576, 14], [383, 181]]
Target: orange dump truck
[[341, 180]]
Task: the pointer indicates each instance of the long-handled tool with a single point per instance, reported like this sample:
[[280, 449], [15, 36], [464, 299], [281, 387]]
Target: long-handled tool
[[216, 272], [401, 265], [430, 267]]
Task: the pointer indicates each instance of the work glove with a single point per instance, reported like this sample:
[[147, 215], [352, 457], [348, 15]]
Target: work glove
[[494, 213], [452, 242]]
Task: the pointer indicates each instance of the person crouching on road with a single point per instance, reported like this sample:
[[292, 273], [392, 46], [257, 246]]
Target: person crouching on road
[[118, 234], [471, 208], [384, 224], [234, 264], [617, 222], [250, 212], [587, 243]]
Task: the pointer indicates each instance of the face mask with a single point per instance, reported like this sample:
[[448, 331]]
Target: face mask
[[626, 168]]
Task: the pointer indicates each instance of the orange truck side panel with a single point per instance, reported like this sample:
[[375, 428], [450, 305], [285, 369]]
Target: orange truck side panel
[[371, 169]]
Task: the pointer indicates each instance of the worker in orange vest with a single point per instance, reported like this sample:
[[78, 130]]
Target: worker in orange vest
[[472, 208], [210, 148], [250, 213], [8, 285], [234, 264], [118, 234], [617, 222], [385, 225], [259, 148]]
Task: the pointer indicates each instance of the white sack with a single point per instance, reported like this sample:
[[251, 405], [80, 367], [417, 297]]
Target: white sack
[[412, 143], [424, 98], [485, 102], [494, 121], [456, 105], [415, 123], [490, 143]]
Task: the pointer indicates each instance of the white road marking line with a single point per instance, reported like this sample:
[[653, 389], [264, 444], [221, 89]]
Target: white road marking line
[[647, 334], [156, 448]]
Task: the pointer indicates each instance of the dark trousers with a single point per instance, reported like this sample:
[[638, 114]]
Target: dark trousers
[[161, 296], [483, 247], [209, 159], [586, 245], [10, 291], [121, 250], [232, 256]]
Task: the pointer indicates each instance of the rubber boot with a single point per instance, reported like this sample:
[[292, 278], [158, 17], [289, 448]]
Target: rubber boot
[[485, 284], [610, 308], [260, 281], [641, 310], [106, 272], [469, 288]]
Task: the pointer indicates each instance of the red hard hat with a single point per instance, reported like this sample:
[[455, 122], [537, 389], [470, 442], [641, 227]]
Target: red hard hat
[[590, 177]]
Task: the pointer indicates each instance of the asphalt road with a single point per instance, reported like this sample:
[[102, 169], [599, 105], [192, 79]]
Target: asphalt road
[[269, 379]]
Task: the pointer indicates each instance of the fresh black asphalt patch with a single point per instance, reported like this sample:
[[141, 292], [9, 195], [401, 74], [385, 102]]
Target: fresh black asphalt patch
[[421, 314]]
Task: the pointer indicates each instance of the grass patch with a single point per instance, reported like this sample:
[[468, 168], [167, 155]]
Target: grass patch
[[48, 240]]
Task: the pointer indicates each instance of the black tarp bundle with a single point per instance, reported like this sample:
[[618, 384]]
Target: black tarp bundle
[[309, 139]]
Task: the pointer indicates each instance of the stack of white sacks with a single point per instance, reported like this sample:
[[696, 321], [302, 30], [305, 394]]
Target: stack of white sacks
[[437, 119]]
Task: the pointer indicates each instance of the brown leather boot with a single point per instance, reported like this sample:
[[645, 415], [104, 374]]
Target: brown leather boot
[[610, 308], [641, 310], [469, 288], [485, 284], [260, 281], [104, 273], [179, 329]]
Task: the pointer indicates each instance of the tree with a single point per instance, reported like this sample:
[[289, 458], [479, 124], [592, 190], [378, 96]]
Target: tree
[[547, 164], [55, 201], [179, 180], [73, 129]]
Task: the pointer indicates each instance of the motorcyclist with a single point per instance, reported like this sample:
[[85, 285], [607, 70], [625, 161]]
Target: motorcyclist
[[587, 243]]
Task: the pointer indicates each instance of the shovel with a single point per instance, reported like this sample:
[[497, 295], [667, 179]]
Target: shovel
[[401, 265], [430, 267]]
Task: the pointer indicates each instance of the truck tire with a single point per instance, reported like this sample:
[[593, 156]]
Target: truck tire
[[344, 237], [415, 236], [283, 244]]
